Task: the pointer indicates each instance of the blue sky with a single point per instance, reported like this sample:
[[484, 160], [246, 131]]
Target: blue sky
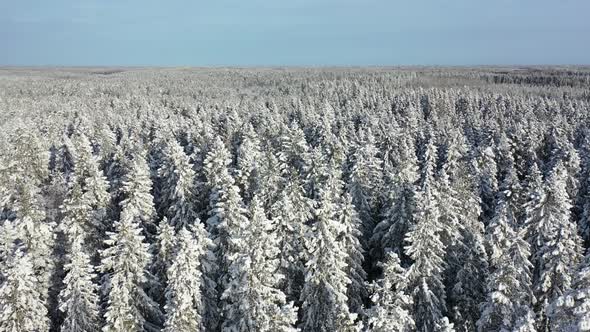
[[293, 32]]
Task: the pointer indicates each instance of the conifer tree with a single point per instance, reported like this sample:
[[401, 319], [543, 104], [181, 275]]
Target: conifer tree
[[534, 196], [391, 305], [426, 250], [459, 201], [23, 177], [8, 236], [184, 305], [164, 254], [22, 306], [315, 172], [468, 289], [466, 259], [63, 159], [226, 213], [85, 209], [82, 153], [390, 232], [139, 200], [166, 243], [558, 149], [252, 298], [453, 214], [504, 154], [126, 259], [98, 197], [510, 192], [115, 173], [487, 182], [365, 184], [526, 323], [571, 311], [357, 290], [249, 164], [558, 246], [584, 211], [177, 196], [290, 214], [509, 293], [294, 149], [76, 223], [325, 306], [582, 202], [273, 178], [79, 299], [54, 194]]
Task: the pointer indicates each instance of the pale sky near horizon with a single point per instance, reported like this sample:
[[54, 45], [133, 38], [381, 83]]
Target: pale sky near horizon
[[293, 32]]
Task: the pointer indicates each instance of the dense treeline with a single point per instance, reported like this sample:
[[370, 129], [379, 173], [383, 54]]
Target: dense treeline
[[407, 199]]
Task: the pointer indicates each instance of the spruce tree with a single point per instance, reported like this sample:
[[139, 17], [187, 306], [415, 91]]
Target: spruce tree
[[365, 184], [126, 259], [227, 214], [391, 305], [558, 149], [226, 209], [62, 159], [427, 251], [325, 304], [453, 213], [571, 311], [96, 193], [252, 299], [273, 178], [23, 204], [487, 182], [534, 196], [315, 172], [526, 323], [357, 290], [466, 259], [184, 305], [558, 246], [582, 202], [509, 293], [177, 196], [76, 223], [397, 220], [584, 211], [164, 253], [93, 182], [290, 214], [79, 300], [249, 164], [294, 149], [22, 305], [468, 289]]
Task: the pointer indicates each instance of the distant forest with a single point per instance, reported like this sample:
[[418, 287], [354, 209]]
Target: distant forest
[[282, 199]]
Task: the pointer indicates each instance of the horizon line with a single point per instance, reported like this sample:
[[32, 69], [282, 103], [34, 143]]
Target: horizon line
[[291, 66]]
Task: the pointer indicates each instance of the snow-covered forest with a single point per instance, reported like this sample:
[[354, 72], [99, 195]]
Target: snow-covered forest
[[380, 199]]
